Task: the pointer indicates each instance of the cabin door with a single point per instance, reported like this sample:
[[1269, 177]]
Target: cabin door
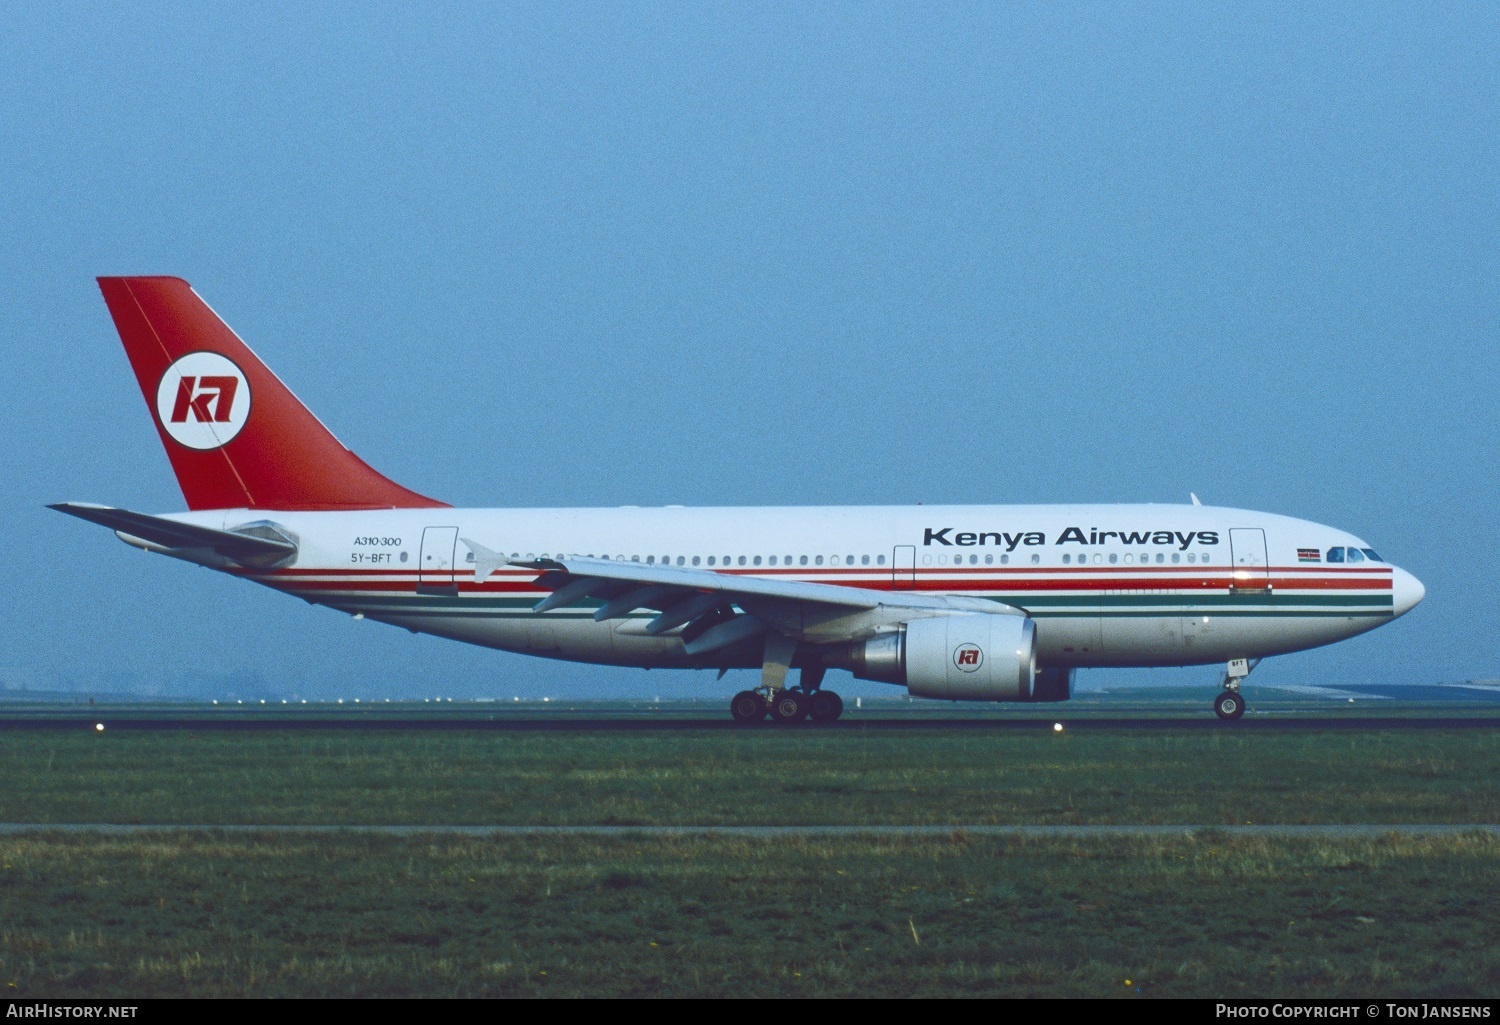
[[435, 563], [904, 567], [1247, 550]]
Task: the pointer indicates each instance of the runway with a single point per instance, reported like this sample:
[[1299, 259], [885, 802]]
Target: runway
[[1307, 831], [529, 724]]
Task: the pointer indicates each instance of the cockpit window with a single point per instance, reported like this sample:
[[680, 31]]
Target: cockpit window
[[1370, 554], [1335, 555], [1355, 556]]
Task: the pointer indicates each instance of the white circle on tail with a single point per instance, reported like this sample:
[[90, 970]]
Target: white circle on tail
[[203, 400]]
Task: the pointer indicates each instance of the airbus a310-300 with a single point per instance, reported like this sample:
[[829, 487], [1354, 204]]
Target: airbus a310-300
[[964, 603]]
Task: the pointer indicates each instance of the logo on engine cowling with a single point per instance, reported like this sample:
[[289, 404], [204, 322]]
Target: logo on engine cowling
[[968, 657]]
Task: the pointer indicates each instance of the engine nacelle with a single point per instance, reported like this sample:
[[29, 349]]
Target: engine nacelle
[[974, 657]]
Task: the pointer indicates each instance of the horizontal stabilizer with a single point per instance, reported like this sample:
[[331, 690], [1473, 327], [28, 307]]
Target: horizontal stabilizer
[[170, 534]]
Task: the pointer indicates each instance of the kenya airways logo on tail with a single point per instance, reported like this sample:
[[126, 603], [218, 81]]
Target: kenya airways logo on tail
[[203, 400]]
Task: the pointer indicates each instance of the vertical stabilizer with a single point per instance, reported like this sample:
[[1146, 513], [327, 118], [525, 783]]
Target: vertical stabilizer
[[237, 437]]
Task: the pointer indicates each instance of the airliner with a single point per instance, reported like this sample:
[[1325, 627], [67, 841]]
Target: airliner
[[961, 603]]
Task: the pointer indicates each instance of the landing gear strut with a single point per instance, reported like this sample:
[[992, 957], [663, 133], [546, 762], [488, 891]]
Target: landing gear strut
[[1230, 705], [807, 700]]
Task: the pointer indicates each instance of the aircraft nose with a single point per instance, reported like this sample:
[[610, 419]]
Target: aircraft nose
[[1406, 591]]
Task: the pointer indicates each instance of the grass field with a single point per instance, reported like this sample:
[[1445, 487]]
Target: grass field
[[284, 915], [762, 777], [207, 913]]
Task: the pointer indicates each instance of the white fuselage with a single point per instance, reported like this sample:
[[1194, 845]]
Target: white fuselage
[[1107, 585]]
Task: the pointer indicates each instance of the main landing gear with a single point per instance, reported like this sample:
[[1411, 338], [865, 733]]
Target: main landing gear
[[1230, 705], [807, 700], [790, 704]]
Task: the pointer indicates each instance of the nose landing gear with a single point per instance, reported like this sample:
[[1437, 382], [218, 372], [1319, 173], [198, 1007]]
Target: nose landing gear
[[1230, 705]]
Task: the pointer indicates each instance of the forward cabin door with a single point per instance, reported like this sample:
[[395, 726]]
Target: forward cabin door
[[904, 568], [1247, 550], [435, 563]]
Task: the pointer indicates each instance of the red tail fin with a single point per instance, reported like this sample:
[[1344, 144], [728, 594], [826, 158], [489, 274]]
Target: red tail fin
[[237, 436]]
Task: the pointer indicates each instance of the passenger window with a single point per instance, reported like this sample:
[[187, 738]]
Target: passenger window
[[803, 560], [1191, 557], [942, 560], [1160, 558], [1202, 556], [864, 560], [833, 560], [787, 561], [1113, 558], [1098, 558], [849, 560], [1176, 556], [695, 560], [880, 560], [1335, 555], [989, 560], [818, 560], [757, 560], [1004, 559], [1067, 559], [773, 560], [1355, 556], [710, 560], [1036, 560], [650, 560], [1129, 558]]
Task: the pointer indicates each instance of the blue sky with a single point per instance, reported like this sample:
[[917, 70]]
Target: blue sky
[[604, 254]]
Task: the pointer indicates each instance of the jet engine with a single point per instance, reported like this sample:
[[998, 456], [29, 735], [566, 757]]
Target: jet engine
[[971, 657]]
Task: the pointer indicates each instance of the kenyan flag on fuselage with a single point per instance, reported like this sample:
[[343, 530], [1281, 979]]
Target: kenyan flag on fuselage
[[1308, 555]]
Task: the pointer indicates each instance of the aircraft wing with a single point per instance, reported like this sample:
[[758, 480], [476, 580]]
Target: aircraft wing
[[707, 605], [173, 536]]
